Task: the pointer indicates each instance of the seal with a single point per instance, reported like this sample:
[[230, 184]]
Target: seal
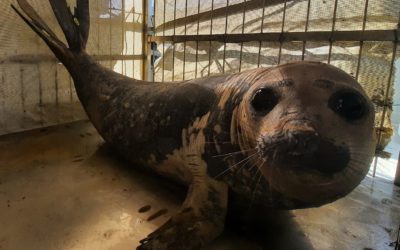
[[291, 136]]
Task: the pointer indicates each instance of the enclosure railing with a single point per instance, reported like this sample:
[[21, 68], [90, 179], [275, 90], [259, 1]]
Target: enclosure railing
[[346, 33], [35, 89]]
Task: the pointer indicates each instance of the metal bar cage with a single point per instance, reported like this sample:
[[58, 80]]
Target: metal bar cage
[[35, 90], [194, 38]]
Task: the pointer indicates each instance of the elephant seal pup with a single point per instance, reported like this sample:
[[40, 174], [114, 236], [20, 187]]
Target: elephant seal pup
[[292, 136]]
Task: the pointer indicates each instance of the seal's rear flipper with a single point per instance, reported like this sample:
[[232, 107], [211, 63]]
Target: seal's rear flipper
[[40, 27], [201, 218], [75, 27]]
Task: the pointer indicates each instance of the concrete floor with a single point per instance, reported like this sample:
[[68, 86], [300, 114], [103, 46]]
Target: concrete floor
[[61, 189]]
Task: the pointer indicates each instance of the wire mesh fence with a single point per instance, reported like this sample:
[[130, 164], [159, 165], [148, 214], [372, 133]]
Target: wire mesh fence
[[200, 38], [37, 91]]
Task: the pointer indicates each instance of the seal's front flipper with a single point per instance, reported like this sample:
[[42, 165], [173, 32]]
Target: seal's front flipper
[[200, 220]]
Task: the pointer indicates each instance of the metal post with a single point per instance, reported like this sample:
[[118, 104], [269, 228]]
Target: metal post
[[262, 31], [226, 30], [362, 42], [386, 105], [282, 30], [397, 176], [211, 32], [333, 29], [109, 20], [184, 43], [152, 56], [163, 47], [306, 29], [145, 45], [173, 45], [133, 40], [123, 37], [197, 42], [241, 44]]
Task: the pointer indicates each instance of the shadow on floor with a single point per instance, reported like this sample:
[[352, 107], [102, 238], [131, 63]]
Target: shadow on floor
[[276, 230]]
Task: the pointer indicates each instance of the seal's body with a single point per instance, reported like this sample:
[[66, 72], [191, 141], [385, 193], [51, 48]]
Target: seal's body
[[296, 135]]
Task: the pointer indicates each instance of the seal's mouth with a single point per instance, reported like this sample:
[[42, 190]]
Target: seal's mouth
[[304, 152], [328, 159]]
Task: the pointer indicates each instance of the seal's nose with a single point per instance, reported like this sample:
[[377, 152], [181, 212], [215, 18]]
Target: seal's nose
[[306, 149], [302, 142], [302, 137]]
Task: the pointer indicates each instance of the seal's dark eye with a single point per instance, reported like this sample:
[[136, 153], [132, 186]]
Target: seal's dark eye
[[349, 104], [264, 100]]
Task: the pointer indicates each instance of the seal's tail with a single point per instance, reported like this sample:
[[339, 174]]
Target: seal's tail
[[74, 25]]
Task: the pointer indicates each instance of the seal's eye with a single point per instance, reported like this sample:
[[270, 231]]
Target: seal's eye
[[264, 100], [348, 104]]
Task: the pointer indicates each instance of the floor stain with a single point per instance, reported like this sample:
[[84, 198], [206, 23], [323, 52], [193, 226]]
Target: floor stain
[[157, 214], [145, 209]]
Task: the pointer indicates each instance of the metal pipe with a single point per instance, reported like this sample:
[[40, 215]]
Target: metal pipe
[[333, 29], [359, 60], [197, 42], [98, 29], [209, 45], [184, 43], [124, 49], [146, 47], [397, 176], [154, 25], [163, 55], [173, 45], [306, 29], [241, 44], [385, 106], [348, 36], [225, 33], [109, 19], [362, 42], [261, 31], [281, 35], [133, 43]]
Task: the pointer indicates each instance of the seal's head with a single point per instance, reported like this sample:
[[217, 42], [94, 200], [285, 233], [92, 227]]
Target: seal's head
[[312, 126]]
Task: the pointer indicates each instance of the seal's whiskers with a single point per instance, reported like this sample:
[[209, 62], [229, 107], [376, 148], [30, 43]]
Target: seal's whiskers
[[233, 153], [259, 173], [247, 159]]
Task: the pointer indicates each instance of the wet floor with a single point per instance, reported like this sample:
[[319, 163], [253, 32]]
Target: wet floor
[[61, 188]]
